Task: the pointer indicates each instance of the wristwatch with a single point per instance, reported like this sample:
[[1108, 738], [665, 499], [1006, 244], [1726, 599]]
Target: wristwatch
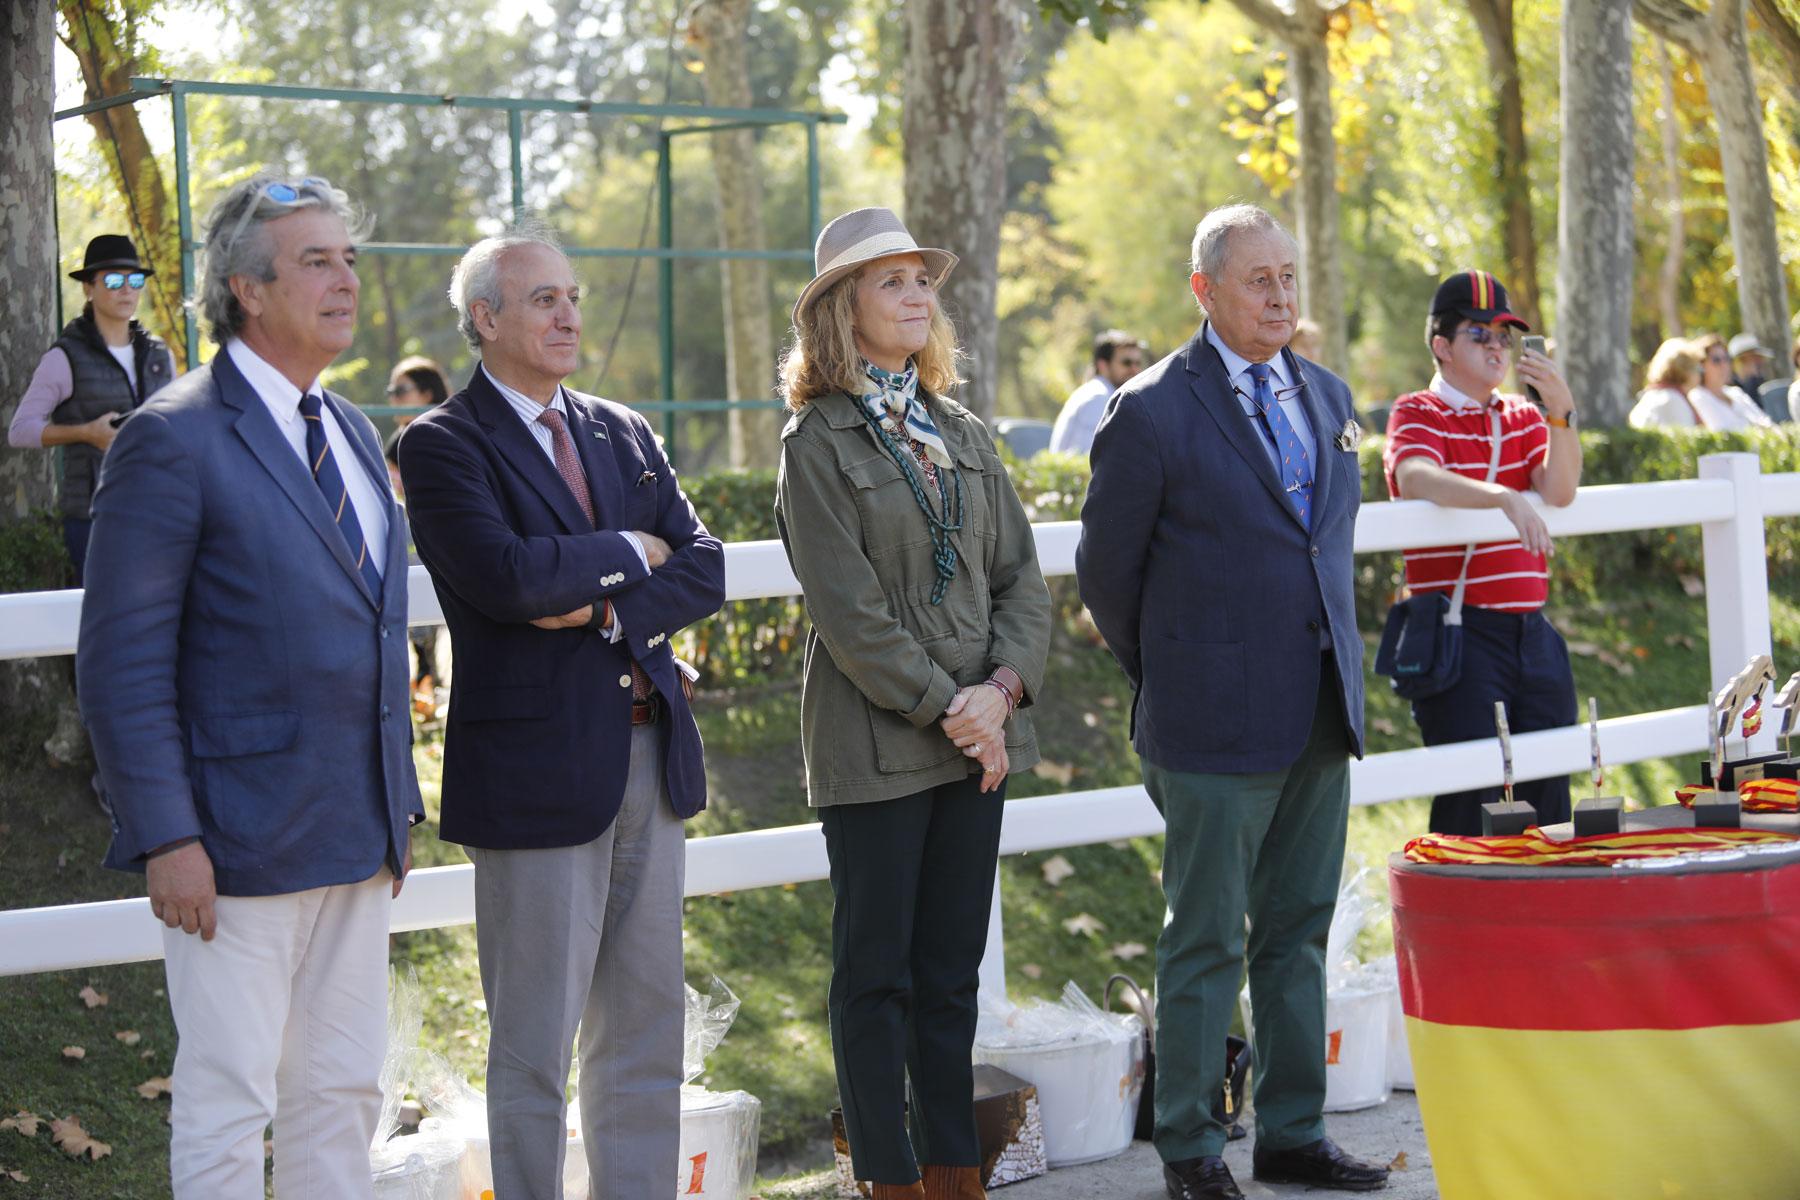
[[1567, 422]]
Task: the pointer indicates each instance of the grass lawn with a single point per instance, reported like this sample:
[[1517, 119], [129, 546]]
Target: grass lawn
[[1644, 649]]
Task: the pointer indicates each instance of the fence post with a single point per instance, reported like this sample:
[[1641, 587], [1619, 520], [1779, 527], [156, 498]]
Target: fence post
[[1737, 577], [993, 962]]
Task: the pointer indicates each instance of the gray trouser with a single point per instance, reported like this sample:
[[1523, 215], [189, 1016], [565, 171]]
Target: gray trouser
[[587, 935]]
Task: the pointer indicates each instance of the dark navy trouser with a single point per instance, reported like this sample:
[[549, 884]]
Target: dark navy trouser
[[1520, 659]]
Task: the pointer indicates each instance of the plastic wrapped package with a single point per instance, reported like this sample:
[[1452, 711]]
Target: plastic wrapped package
[[1087, 1066], [718, 1143], [420, 1166], [1399, 1055]]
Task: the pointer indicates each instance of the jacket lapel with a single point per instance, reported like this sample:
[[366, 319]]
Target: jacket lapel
[[521, 450], [1212, 387], [1324, 437], [593, 436], [276, 454], [376, 471]]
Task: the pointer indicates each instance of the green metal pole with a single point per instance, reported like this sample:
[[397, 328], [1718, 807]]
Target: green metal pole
[[515, 132], [812, 179], [185, 224], [665, 292]]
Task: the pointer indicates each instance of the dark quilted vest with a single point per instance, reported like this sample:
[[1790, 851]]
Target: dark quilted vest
[[100, 386]]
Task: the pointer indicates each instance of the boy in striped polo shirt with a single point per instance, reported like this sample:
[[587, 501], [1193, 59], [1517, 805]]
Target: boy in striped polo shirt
[[1440, 446]]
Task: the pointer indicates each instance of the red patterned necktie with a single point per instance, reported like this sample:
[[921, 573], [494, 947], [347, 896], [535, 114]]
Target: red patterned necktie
[[569, 467]]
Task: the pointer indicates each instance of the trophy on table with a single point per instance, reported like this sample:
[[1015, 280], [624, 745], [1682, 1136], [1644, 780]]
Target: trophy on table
[[1599, 814], [1787, 703], [1721, 807], [1505, 816]]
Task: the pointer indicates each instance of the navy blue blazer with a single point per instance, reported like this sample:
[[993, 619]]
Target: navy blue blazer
[[1207, 588], [538, 742], [238, 680]]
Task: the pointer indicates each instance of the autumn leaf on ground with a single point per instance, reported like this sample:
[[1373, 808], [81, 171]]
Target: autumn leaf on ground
[[1032, 971], [1084, 923], [146, 1054], [1585, 649], [1384, 726], [1056, 870], [1399, 1163], [1129, 950], [74, 1052], [1693, 585], [91, 998], [130, 1037], [1061, 773], [15, 1176], [25, 1122], [150, 1089], [76, 1141]]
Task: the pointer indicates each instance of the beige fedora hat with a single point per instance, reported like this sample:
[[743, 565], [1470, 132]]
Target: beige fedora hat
[[864, 236]]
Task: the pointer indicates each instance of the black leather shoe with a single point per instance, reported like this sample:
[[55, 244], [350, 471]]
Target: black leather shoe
[[1200, 1179], [1320, 1164]]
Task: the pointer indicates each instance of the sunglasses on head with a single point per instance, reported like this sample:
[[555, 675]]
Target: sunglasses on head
[[280, 192], [112, 281], [1481, 336]]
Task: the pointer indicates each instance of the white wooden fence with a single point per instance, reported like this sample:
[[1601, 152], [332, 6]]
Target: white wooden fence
[[1729, 501]]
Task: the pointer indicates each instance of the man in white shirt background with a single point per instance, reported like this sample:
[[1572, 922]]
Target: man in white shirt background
[[1117, 357]]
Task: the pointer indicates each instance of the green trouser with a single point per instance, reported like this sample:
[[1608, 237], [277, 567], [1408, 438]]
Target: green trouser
[[1271, 846]]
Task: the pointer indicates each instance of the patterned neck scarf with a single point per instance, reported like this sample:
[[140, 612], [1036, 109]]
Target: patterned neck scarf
[[896, 396]]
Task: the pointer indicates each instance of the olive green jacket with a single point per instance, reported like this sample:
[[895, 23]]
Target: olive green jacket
[[883, 662]]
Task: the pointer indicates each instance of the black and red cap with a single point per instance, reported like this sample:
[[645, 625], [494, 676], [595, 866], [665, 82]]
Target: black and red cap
[[1477, 296]]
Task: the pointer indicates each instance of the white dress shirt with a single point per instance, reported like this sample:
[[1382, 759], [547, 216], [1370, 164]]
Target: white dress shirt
[[1080, 416], [367, 496], [529, 411], [1237, 367]]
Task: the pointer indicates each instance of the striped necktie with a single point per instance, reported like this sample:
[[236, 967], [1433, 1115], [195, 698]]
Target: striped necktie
[[1296, 465], [330, 479]]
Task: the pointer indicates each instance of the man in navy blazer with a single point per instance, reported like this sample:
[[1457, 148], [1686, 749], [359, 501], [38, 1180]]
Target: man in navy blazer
[[565, 556], [1215, 556], [243, 672]]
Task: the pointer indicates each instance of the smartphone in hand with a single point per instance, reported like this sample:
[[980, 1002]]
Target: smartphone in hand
[[1532, 341]]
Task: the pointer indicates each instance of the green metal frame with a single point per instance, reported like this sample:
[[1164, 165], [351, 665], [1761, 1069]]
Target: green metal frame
[[665, 252]]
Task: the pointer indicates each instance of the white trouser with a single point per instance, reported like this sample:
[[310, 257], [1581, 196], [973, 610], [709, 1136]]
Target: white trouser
[[283, 1017]]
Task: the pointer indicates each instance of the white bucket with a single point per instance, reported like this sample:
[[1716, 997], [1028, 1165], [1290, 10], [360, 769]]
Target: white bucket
[[418, 1166], [478, 1164], [718, 1144], [1356, 1047], [1087, 1088]]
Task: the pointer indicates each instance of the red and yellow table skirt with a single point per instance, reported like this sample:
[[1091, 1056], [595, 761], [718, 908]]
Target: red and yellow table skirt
[[1605, 1034]]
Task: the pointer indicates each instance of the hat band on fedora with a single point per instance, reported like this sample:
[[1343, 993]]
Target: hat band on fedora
[[881, 245]]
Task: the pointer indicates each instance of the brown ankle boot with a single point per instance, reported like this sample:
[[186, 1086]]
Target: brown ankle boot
[[898, 1191], [953, 1183]]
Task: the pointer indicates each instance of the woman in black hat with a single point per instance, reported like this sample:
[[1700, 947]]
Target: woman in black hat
[[102, 367]]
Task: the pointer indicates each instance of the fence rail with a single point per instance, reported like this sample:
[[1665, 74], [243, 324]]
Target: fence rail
[[1729, 501]]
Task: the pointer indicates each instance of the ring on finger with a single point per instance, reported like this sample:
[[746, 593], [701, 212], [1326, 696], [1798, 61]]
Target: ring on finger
[[976, 747]]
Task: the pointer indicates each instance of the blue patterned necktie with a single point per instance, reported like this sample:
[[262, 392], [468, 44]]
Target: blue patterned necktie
[[1296, 467], [325, 473]]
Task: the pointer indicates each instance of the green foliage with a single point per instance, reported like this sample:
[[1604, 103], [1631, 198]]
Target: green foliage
[[32, 555]]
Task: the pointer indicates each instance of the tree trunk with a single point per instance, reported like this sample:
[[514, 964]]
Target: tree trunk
[[1304, 34], [1668, 280], [1719, 37], [34, 693], [960, 55], [1495, 18], [720, 30], [106, 70], [1737, 109], [1786, 38], [1594, 217]]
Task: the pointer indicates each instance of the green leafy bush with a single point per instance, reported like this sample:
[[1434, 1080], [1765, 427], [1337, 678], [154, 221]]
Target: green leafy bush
[[32, 557]]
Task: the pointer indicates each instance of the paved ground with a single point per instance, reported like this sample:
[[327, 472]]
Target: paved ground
[[1378, 1134]]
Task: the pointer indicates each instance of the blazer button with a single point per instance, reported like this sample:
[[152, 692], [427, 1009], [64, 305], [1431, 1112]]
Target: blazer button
[[1312, 627], [384, 712], [625, 681], [1315, 552], [384, 632]]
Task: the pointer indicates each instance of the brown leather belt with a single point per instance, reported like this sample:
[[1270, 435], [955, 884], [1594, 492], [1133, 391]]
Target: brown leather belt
[[646, 711]]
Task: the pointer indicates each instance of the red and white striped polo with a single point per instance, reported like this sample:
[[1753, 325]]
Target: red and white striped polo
[[1455, 432]]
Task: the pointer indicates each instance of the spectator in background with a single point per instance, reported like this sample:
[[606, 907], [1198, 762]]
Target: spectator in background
[[1117, 357], [1750, 361], [102, 367], [1673, 371], [1794, 387], [1462, 444], [1717, 403], [1309, 340], [416, 382]]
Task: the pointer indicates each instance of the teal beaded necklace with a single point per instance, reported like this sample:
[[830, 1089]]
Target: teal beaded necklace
[[943, 550]]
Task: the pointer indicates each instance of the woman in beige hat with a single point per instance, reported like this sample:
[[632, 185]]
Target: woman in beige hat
[[930, 625]]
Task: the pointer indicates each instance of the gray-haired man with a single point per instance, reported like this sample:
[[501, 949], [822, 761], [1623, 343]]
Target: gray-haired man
[[243, 674]]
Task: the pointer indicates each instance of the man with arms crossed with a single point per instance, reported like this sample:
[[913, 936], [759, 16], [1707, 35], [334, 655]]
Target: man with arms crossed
[[565, 556], [243, 674], [1215, 557]]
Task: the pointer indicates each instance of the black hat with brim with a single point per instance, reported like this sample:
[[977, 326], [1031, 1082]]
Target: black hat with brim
[[1475, 295], [109, 251]]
